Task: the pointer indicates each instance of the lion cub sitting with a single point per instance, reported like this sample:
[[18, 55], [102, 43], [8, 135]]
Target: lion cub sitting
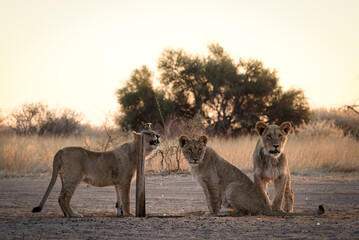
[[223, 184], [100, 169], [270, 164]]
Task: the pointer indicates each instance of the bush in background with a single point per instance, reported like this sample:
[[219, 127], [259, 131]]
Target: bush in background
[[38, 119], [344, 119]]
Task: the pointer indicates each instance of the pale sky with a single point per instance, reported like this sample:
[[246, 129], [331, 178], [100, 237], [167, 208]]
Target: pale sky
[[76, 53]]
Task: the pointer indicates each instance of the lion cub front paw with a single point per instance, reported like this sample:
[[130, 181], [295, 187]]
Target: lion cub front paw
[[225, 213], [288, 207], [277, 209], [210, 214], [288, 210]]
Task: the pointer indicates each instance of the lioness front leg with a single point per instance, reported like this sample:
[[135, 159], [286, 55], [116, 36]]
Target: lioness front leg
[[261, 185], [279, 187]]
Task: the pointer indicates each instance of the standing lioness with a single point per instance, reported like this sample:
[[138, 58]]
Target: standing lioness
[[270, 164], [100, 169]]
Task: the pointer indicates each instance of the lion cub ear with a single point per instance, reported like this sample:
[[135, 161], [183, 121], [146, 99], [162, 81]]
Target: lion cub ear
[[203, 139], [260, 127], [286, 127], [183, 140]]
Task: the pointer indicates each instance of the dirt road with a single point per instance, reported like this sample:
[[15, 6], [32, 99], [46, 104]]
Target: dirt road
[[175, 205]]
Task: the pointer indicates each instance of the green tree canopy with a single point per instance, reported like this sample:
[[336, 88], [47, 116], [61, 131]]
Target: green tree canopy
[[139, 102], [232, 96], [183, 76], [289, 106]]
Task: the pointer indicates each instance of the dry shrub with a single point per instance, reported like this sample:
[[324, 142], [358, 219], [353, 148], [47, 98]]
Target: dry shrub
[[167, 159], [178, 126], [106, 137], [346, 120]]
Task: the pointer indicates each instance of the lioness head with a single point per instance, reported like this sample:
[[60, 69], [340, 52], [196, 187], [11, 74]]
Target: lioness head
[[193, 150], [273, 137], [151, 139]]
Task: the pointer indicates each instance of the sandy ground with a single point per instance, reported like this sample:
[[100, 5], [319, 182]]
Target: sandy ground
[[174, 206]]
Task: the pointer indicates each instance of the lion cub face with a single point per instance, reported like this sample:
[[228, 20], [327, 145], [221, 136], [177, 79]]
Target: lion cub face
[[273, 137], [193, 150]]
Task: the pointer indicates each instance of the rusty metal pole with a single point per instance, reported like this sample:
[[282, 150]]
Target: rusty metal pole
[[140, 178]]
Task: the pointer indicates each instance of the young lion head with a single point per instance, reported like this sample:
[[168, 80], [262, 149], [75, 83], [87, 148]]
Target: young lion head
[[273, 137], [193, 150]]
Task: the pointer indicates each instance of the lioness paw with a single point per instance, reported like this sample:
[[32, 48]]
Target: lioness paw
[[76, 215], [127, 215]]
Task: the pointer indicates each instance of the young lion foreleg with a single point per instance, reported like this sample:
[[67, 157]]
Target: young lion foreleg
[[279, 188], [207, 197], [288, 197], [211, 191], [261, 185]]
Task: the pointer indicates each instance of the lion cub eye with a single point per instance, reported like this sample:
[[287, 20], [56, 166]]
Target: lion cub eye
[[269, 137], [280, 136]]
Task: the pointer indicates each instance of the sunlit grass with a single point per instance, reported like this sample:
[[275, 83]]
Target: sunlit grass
[[317, 147], [329, 153], [20, 155], [237, 151]]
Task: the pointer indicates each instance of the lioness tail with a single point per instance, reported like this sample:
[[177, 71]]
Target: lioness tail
[[55, 171]]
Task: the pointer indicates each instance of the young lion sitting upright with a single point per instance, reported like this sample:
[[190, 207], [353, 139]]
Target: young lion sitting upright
[[270, 164], [100, 169], [225, 185]]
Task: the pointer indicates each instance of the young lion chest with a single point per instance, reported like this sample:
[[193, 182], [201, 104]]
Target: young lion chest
[[269, 167], [204, 178]]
